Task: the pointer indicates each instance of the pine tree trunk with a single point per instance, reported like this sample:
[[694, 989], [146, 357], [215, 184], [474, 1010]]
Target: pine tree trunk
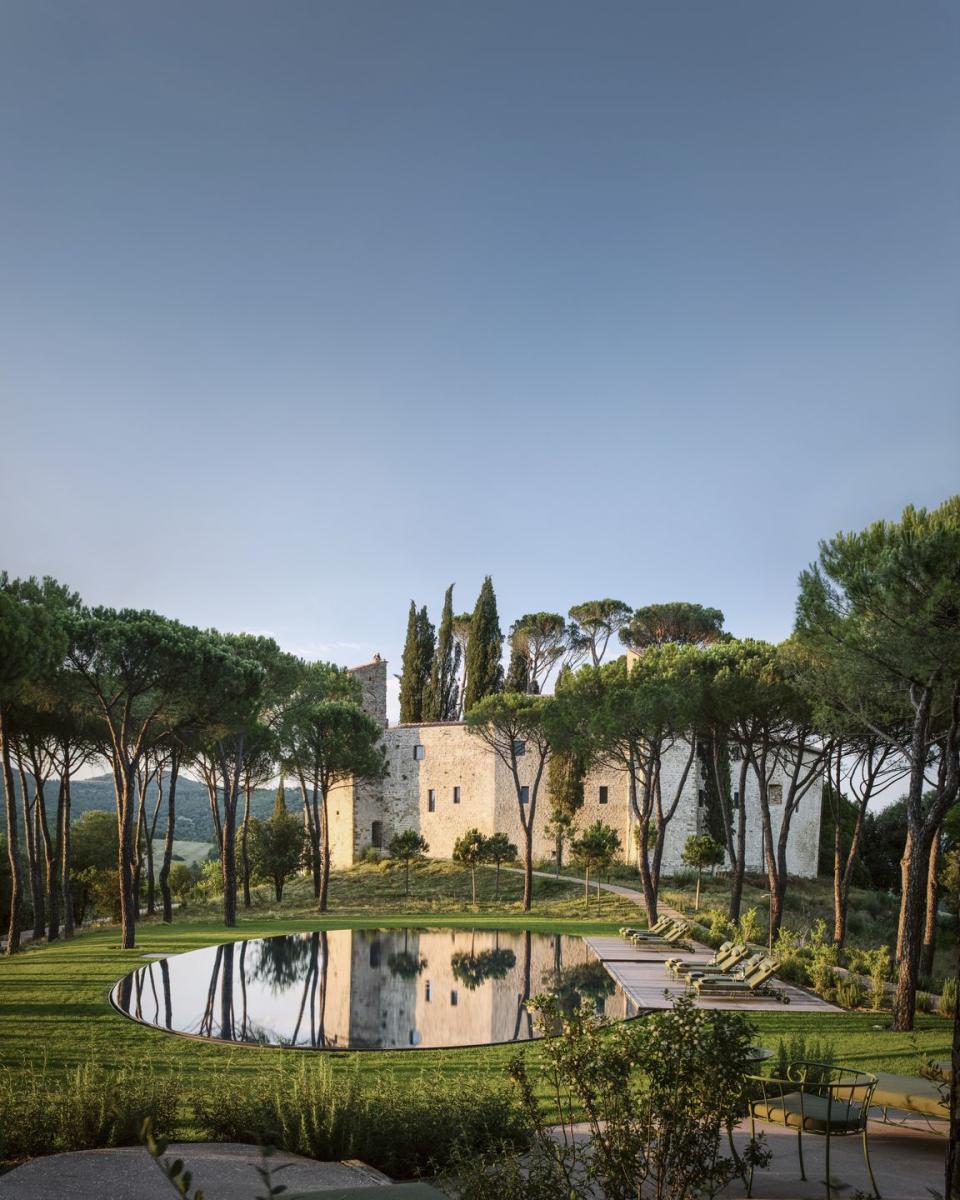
[[696, 903], [244, 848], [913, 876], [952, 1181], [739, 865], [66, 858], [325, 852], [930, 920], [164, 878], [13, 840], [528, 866], [30, 846], [124, 784], [49, 864]]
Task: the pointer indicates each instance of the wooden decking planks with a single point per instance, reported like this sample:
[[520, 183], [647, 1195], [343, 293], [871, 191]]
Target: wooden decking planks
[[642, 975]]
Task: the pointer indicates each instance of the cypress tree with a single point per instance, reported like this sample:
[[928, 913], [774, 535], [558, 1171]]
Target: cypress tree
[[417, 664], [280, 804], [518, 673], [442, 699], [485, 648]]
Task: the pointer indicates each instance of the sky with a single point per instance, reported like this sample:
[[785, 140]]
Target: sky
[[311, 308]]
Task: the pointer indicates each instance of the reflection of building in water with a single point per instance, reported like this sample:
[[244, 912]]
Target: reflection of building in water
[[443, 780], [399, 988]]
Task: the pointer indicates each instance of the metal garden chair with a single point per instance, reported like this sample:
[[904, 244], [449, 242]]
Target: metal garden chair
[[819, 1098]]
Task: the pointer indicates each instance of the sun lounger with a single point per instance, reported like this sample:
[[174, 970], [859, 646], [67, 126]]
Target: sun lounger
[[742, 984]]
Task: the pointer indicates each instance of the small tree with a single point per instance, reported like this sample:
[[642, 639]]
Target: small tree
[[500, 850], [702, 851], [514, 727], [470, 851], [595, 850], [276, 846], [407, 847]]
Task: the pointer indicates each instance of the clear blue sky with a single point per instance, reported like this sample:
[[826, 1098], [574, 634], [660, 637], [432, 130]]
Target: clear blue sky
[[309, 308]]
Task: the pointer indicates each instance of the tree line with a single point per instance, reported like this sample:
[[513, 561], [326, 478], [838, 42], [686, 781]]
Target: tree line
[[864, 696], [153, 697]]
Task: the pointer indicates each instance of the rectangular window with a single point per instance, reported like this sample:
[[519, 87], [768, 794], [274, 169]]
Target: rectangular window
[[453, 999], [432, 800], [736, 798], [456, 795], [604, 795], [775, 793], [419, 753], [428, 991], [524, 795], [376, 835], [519, 748]]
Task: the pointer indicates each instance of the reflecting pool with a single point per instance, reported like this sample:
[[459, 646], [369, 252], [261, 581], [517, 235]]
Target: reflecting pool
[[368, 989]]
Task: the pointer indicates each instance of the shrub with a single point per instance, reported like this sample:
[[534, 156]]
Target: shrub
[[718, 923], [401, 1127], [823, 977], [878, 968], [948, 996], [43, 1112], [798, 1049], [848, 992], [924, 1002], [749, 928], [371, 854], [657, 1096]]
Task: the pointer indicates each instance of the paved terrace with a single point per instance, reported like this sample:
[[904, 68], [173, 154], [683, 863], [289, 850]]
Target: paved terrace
[[642, 975]]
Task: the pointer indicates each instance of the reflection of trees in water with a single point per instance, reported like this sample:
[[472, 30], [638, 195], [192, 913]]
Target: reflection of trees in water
[[206, 1021], [281, 961], [167, 997], [226, 994], [584, 982], [313, 1000], [522, 1010], [473, 969], [404, 965]]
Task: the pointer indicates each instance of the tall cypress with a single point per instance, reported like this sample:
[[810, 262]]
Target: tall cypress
[[417, 664], [442, 698], [518, 673], [485, 648]]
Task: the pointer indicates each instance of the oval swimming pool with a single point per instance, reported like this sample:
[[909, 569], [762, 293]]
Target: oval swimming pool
[[368, 989]]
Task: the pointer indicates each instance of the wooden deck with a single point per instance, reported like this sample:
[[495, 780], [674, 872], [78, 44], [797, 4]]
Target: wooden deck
[[642, 975]]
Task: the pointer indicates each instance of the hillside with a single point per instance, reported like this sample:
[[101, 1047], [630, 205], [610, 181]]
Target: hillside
[[194, 822]]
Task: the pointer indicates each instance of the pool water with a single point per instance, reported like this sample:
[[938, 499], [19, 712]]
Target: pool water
[[368, 989]]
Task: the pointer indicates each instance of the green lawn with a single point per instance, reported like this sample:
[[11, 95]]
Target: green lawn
[[54, 1009]]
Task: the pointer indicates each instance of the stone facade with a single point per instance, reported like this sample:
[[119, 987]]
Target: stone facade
[[443, 780]]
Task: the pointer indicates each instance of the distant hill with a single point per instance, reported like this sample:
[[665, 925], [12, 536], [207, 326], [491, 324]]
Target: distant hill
[[194, 822]]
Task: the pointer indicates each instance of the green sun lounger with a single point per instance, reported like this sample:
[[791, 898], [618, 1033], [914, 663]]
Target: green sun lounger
[[743, 984]]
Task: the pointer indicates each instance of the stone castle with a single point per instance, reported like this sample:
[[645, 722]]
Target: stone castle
[[443, 780]]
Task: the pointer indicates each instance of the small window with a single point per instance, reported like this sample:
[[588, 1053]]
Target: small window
[[519, 748], [604, 795], [524, 795], [775, 793], [428, 991], [453, 999], [419, 753], [432, 800], [375, 953], [736, 798], [376, 835], [456, 795]]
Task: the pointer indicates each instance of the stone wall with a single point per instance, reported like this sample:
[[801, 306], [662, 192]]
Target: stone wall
[[440, 757]]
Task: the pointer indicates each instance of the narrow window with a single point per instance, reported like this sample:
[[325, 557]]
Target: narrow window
[[419, 752], [453, 999], [519, 748], [376, 835], [432, 800], [736, 798], [456, 795], [604, 795], [524, 795], [429, 991], [775, 793], [375, 953]]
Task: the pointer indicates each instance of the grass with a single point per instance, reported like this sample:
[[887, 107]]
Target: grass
[[54, 1013]]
